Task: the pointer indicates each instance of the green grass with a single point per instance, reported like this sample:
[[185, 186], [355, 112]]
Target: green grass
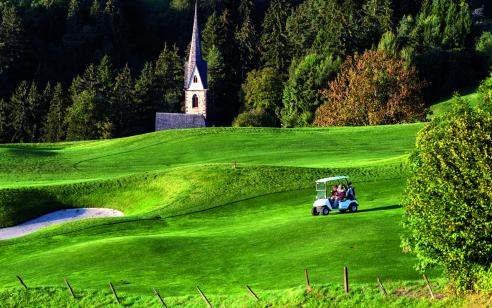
[[472, 96], [191, 219], [360, 295]]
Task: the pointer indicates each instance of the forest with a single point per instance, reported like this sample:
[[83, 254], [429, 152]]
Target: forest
[[93, 69]]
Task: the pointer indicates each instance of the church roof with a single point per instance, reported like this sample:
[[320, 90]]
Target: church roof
[[195, 57], [164, 121]]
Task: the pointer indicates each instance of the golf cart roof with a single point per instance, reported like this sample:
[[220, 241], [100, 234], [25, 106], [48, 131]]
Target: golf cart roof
[[335, 178]]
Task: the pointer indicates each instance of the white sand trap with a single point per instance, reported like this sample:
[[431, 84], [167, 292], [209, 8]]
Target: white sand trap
[[55, 218]]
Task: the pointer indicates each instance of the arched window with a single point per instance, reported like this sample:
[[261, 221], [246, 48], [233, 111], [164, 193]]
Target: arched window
[[195, 79], [194, 101]]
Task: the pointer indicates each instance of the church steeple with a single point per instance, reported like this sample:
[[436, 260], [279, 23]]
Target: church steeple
[[195, 59], [195, 81]]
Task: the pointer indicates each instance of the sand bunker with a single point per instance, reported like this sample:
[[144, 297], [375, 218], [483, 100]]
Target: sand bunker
[[55, 218]]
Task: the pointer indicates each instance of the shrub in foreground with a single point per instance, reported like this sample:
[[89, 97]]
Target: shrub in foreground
[[448, 200]]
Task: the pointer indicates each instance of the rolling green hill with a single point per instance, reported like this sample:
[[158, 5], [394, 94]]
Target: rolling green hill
[[443, 106], [192, 219]]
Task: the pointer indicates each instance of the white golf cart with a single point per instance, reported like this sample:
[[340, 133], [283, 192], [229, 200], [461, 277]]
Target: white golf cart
[[324, 204]]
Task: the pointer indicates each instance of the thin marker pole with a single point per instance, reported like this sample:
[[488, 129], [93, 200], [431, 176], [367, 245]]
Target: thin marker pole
[[114, 293], [159, 296], [253, 294], [382, 287], [69, 287], [21, 282], [204, 297], [429, 287], [308, 287], [345, 279]]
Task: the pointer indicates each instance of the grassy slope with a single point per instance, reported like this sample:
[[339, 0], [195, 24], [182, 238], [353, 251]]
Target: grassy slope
[[441, 107], [249, 225]]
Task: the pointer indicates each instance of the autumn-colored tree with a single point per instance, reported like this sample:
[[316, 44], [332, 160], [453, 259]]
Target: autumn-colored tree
[[371, 89]]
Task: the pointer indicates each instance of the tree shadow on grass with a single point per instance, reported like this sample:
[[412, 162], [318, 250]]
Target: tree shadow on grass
[[381, 208]]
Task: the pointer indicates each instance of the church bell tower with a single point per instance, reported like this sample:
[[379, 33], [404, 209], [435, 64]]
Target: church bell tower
[[196, 86]]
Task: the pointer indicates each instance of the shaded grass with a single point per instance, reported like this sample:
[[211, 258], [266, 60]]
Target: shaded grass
[[443, 106]]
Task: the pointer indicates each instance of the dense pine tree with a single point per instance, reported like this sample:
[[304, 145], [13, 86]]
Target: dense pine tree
[[274, 43], [169, 78], [53, 127], [81, 120], [19, 114], [121, 101], [10, 36]]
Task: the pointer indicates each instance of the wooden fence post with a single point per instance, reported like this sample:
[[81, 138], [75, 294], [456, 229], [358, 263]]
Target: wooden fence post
[[204, 297], [21, 282], [69, 287], [381, 287], [159, 297], [429, 287], [308, 287], [253, 294], [114, 293], [345, 279]]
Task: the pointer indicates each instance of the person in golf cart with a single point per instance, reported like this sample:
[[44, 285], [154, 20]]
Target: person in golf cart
[[337, 194], [350, 191], [342, 197]]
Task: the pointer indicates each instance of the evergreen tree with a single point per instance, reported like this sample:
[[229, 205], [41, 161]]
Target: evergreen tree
[[92, 93], [246, 39], [4, 122], [218, 34], [442, 24], [121, 100], [169, 78], [19, 114], [80, 120], [33, 101], [104, 77], [378, 19], [53, 126], [214, 34], [146, 98], [458, 25], [325, 27], [217, 103], [94, 31], [274, 43], [113, 29], [301, 94], [10, 33], [72, 39], [42, 109]]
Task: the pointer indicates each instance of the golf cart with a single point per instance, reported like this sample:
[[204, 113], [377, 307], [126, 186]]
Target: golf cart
[[324, 204]]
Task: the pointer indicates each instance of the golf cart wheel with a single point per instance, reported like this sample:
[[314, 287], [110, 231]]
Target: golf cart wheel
[[314, 211], [326, 210], [353, 207]]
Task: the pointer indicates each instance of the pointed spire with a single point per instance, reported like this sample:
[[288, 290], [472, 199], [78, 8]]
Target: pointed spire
[[195, 48], [195, 57]]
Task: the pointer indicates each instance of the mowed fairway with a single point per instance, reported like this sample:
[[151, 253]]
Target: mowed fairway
[[194, 220]]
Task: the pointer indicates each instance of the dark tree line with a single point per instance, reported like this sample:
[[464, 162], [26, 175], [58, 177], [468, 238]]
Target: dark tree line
[[83, 69]]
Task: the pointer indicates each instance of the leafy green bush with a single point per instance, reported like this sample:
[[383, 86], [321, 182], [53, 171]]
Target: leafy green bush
[[257, 117], [448, 200], [484, 47], [486, 89]]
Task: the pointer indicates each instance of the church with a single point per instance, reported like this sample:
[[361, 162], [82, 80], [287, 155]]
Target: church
[[195, 88]]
